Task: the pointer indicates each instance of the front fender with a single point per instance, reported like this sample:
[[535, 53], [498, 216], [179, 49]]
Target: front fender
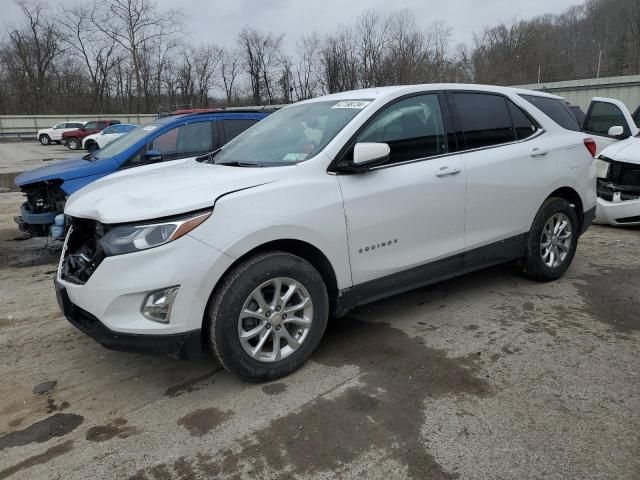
[[309, 210]]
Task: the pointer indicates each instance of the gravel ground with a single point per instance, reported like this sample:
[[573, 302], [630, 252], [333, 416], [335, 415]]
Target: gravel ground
[[489, 376]]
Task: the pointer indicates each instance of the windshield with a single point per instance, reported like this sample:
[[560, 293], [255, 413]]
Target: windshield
[[111, 129], [292, 135], [124, 142]]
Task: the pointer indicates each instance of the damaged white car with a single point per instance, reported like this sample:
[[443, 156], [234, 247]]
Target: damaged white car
[[618, 162]]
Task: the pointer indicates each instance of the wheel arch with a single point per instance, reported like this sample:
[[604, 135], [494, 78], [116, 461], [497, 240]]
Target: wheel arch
[[300, 248], [573, 197]]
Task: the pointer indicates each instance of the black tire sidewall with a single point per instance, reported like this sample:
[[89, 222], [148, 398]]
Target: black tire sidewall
[[533, 264], [45, 140], [227, 302]]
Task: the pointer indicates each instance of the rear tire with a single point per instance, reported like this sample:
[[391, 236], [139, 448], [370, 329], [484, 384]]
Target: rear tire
[[280, 319], [73, 143], [552, 241], [45, 139]]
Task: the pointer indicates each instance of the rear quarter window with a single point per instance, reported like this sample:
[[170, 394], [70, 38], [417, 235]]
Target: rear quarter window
[[556, 109]]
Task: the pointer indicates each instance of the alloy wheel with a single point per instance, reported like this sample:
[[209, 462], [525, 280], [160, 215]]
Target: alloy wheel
[[555, 241], [275, 319]]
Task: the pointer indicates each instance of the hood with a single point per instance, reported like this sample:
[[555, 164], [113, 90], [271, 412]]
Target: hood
[[64, 170], [157, 191], [627, 151]]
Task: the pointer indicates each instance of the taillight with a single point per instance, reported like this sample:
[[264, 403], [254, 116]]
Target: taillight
[[590, 143]]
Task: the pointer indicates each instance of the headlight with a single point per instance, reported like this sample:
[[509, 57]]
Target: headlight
[[132, 238], [602, 167]]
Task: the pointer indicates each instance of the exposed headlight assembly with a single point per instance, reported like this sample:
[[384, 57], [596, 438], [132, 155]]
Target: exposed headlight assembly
[[135, 237], [602, 167]]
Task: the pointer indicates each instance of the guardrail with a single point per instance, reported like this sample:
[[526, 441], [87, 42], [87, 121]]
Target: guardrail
[[27, 126]]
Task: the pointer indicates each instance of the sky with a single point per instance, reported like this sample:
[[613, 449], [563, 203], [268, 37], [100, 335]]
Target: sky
[[219, 21]]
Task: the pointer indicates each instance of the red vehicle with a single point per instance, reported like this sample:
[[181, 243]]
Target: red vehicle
[[73, 139]]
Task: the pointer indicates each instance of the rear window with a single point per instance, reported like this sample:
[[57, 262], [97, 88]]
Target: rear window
[[484, 118], [234, 127], [556, 109], [578, 113]]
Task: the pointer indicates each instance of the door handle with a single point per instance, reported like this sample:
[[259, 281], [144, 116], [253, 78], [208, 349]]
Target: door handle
[[537, 152], [447, 172]]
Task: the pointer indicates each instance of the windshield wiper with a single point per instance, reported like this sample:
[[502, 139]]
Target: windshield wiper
[[240, 164], [208, 157]]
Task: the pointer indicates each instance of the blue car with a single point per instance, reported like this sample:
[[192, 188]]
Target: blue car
[[169, 138]]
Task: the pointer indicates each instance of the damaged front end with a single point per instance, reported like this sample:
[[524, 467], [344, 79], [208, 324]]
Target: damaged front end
[[82, 253], [45, 201], [618, 192]]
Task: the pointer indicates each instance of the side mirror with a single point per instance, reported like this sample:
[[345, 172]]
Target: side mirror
[[616, 131], [370, 154], [153, 156]]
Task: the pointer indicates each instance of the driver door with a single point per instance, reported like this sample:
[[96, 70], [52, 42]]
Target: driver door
[[405, 218]]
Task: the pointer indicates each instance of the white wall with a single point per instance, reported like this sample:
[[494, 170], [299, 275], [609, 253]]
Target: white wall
[[580, 92]]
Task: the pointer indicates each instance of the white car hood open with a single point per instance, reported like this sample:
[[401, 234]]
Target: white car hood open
[[162, 190], [627, 151]]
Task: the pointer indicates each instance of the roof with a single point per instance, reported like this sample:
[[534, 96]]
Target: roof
[[227, 113], [399, 90]]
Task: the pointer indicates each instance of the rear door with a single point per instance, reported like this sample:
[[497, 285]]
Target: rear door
[[602, 116], [508, 165]]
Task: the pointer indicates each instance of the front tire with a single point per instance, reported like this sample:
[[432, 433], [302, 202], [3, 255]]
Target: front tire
[[92, 146], [45, 139], [73, 143], [552, 241], [268, 316]]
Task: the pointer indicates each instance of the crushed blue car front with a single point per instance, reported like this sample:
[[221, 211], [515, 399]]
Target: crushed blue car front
[[48, 187]]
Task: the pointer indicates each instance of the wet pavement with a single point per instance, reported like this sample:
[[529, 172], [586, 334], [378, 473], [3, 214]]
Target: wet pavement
[[486, 376]]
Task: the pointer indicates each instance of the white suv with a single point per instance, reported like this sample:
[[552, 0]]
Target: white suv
[[54, 134], [327, 204]]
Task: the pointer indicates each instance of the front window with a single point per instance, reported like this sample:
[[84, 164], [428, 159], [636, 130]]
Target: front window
[[294, 134], [185, 141], [413, 128], [90, 126]]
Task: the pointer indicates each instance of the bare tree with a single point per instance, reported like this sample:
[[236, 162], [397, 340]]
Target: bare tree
[[33, 49], [95, 50], [372, 39], [262, 57], [339, 63], [136, 25], [306, 71], [229, 72]]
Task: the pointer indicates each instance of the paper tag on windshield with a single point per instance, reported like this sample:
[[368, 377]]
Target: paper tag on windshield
[[357, 104], [294, 157]]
